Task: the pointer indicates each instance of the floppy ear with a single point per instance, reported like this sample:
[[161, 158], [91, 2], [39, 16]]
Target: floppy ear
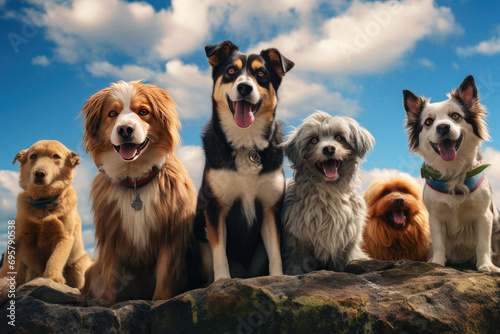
[[92, 115], [21, 157], [217, 53], [73, 159], [467, 92], [292, 148], [413, 105], [361, 139], [279, 62], [164, 111]]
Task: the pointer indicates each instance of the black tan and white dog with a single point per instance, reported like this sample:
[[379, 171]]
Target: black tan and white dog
[[463, 219], [323, 214], [243, 182]]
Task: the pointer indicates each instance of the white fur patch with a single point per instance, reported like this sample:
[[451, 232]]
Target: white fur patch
[[137, 225], [247, 184], [245, 138]]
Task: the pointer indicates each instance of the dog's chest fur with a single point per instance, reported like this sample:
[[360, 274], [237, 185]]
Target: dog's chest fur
[[459, 218], [326, 220], [246, 183]]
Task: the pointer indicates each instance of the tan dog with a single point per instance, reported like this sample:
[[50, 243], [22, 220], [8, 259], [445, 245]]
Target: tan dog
[[48, 230]]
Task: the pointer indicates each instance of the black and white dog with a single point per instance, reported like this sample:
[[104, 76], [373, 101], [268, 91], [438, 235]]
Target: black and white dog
[[463, 219], [241, 195], [323, 213]]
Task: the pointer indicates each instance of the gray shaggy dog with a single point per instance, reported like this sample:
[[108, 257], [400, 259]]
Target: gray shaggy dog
[[323, 215]]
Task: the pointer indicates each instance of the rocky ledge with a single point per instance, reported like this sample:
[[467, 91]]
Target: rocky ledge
[[371, 296]]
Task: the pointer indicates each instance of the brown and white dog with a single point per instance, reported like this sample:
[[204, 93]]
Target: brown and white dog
[[48, 239], [397, 226], [143, 199]]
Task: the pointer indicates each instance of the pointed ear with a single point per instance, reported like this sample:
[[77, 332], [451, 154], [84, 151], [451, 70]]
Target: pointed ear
[[292, 148], [279, 62], [21, 157], [217, 53], [73, 159], [360, 139], [467, 92], [413, 105]]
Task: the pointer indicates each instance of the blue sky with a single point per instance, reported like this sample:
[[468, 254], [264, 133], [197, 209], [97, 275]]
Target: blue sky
[[351, 58]]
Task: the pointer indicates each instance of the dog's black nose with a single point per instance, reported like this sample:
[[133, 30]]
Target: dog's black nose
[[126, 130], [328, 150], [399, 201], [40, 174], [443, 129], [244, 89]]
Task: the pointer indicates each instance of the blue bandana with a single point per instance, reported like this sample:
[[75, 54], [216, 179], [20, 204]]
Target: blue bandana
[[473, 179], [44, 203]]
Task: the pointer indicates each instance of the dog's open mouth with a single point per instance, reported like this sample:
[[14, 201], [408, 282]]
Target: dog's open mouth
[[329, 168], [447, 149], [130, 151], [243, 111], [398, 217]]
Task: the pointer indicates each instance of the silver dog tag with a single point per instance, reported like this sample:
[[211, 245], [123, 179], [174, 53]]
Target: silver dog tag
[[137, 202]]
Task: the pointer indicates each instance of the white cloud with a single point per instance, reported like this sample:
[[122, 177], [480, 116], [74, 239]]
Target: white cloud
[[489, 48], [93, 28], [301, 98], [193, 158], [377, 173], [40, 61], [188, 86], [424, 62], [9, 189], [82, 183], [369, 37], [491, 156]]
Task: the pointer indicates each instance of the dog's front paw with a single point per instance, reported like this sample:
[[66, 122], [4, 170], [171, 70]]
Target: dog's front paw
[[488, 268], [439, 261], [57, 279]]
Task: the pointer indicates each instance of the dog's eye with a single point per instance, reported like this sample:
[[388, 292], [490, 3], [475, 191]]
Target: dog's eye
[[314, 141], [33, 156], [261, 73], [55, 156], [385, 193], [143, 112], [428, 121], [231, 71], [456, 116], [338, 138], [404, 191], [112, 113]]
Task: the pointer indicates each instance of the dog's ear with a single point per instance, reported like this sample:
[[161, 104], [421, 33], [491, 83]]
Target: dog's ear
[[292, 149], [413, 105], [21, 157], [92, 115], [280, 63], [217, 53], [73, 159], [467, 92], [360, 139]]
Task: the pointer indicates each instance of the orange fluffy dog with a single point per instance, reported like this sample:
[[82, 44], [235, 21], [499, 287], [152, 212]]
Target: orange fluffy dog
[[143, 199], [48, 239], [397, 226]]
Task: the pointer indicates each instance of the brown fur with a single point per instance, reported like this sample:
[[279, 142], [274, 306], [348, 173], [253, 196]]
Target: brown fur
[[384, 241], [48, 241], [122, 271]]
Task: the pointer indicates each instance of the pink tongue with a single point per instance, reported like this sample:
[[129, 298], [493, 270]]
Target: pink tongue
[[330, 168], [399, 216], [243, 115], [128, 151], [447, 151]]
